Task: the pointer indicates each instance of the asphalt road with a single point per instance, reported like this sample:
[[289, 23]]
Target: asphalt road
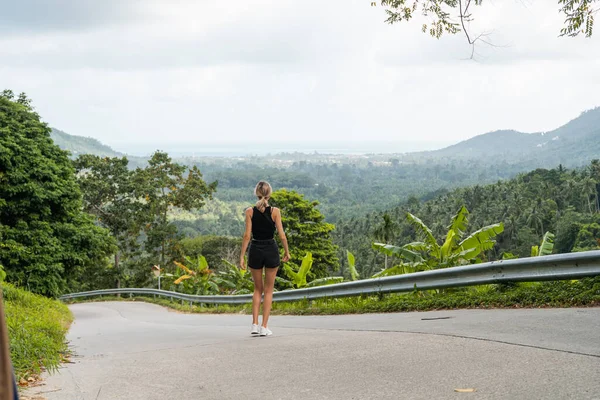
[[143, 351]]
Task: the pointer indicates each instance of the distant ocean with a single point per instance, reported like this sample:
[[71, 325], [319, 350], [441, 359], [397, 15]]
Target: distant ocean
[[241, 150]]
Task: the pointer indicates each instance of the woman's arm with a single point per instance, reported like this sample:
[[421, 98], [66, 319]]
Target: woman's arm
[[246, 237], [282, 237]]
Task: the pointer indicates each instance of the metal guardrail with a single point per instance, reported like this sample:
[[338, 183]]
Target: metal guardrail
[[533, 269]]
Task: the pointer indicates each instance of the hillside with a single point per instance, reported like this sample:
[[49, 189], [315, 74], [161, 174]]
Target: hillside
[[573, 144], [78, 145], [563, 201]]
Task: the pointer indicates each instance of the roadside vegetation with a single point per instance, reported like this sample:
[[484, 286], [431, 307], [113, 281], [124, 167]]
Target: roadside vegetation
[[36, 329]]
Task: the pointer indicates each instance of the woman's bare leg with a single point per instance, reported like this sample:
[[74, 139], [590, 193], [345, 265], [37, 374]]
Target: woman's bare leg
[[270, 274], [258, 291]]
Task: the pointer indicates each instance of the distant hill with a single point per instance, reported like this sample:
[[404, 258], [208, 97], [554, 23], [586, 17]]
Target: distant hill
[[575, 143], [78, 145]]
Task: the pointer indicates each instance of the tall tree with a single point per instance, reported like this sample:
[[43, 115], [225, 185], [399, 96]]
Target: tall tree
[[165, 185], [306, 231], [48, 242], [111, 193]]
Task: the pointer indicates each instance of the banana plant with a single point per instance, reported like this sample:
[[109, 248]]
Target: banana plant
[[352, 266], [234, 280], [546, 248], [298, 279], [196, 278], [429, 254]]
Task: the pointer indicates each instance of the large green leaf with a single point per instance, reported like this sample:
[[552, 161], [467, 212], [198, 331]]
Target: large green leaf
[[448, 245], [233, 267], [473, 252], [397, 270], [213, 286], [305, 267], [459, 222], [481, 240], [290, 272], [295, 278], [282, 282], [202, 263], [352, 265], [456, 230], [417, 247], [419, 225], [225, 283], [403, 252], [547, 244], [535, 251], [326, 281]]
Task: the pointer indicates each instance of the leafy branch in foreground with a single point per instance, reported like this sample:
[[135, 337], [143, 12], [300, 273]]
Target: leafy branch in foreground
[[452, 16]]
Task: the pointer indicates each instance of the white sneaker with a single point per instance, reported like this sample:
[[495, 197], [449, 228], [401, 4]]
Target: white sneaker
[[255, 330], [265, 331]]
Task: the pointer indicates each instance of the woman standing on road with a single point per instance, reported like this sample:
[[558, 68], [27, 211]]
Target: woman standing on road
[[261, 222]]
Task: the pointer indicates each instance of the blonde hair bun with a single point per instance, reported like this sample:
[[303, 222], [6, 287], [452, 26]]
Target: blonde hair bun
[[263, 191]]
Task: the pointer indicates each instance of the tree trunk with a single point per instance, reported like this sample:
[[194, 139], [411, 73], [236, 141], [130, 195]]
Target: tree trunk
[[118, 272], [117, 269]]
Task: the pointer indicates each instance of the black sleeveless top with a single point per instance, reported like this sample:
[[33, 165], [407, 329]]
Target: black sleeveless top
[[263, 226]]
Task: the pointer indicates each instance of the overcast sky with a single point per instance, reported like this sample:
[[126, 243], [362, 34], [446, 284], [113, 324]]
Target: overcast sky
[[195, 74]]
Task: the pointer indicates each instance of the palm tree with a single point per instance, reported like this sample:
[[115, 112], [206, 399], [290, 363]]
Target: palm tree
[[534, 219], [385, 232], [588, 189]]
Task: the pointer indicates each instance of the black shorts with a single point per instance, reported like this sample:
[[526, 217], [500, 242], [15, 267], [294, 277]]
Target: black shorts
[[263, 253]]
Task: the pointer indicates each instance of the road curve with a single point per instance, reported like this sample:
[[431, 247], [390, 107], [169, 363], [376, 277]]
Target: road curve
[[142, 351]]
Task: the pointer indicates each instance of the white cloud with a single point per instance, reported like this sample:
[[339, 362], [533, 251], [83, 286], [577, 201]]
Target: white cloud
[[214, 72]]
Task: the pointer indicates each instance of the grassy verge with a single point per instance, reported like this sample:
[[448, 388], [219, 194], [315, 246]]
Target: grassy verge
[[584, 292], [36, 328]]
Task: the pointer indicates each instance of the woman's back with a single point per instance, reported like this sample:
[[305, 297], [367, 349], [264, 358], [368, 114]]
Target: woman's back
[[263, 226]]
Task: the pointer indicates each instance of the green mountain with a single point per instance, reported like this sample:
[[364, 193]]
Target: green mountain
[[78, 145], [573, 144]]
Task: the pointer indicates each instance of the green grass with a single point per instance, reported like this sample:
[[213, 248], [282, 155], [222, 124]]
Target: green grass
[[36, 330], [583, 293]]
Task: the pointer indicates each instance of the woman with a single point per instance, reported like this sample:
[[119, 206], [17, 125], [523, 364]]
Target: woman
[[261, 223]]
